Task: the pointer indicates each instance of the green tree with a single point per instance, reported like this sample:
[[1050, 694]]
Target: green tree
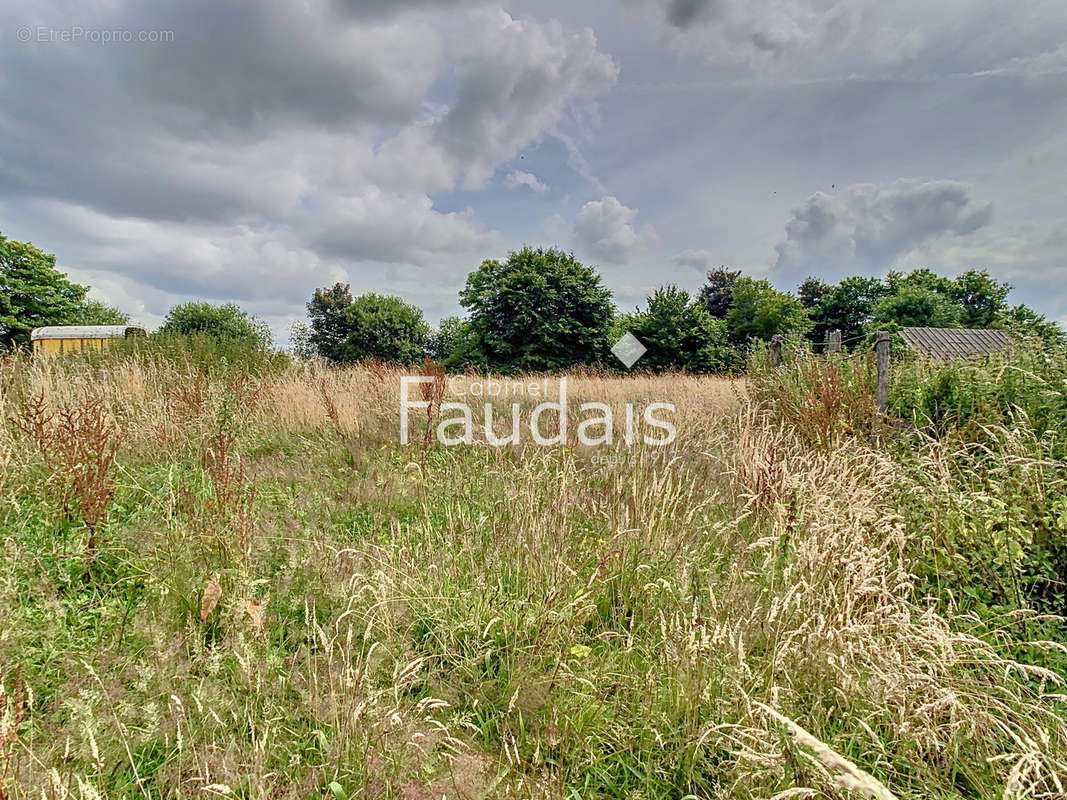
[[812, 291], [93, 312], [224, 323], [447, 339], [982, 297], [759, 311], [1027, 323], [33, 292], [680, 334], [846, 306], [386, 328], [717, 293], [922, 278], [329, 327], [914, 306], [538, 310]]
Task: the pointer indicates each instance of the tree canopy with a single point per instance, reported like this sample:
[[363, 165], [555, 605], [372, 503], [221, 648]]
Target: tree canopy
[[33, 293], [346, 329], [381, 327], [537, 310], [680, 334], [759, 311]]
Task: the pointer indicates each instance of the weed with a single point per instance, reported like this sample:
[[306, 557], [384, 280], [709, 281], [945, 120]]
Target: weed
[[79, 444]]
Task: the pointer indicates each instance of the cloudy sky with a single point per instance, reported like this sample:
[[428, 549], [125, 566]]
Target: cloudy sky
[[251, 150]]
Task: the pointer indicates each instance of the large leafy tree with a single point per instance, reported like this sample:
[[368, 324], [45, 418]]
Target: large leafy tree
[[717, 293], [680, 334], [329, 328], [759, 311], [982, 297], [915, 306], [382, 327], [224, 323], [537, 310], [811, 291], [846, 306], [33, 292]]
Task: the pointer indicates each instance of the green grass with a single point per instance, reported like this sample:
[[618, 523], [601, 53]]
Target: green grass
[[478, 623]]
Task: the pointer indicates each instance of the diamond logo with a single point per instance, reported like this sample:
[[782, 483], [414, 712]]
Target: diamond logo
[[629, 349]]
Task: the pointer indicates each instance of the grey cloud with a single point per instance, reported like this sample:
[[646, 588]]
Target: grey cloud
[[694, 259], [270, 142], [384, 9], [518, 79], [869, 226], [683, 13]]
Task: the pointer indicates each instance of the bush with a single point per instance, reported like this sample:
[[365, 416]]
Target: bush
[[823, 398], [224, 323], [1027, 386]]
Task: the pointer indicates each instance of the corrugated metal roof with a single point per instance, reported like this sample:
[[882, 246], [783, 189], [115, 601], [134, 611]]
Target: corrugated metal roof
[[83, 332], [945, 344]]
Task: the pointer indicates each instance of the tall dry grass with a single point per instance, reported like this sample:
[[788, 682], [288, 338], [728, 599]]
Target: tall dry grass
[[290, 604]]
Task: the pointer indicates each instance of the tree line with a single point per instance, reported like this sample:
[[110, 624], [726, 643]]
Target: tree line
[[540, 309]]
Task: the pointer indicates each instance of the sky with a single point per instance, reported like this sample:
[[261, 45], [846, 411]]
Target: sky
[[250, 151]]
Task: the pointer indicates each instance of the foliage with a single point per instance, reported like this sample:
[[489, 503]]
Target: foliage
[[916, 306], [224, 323], [538, 310], [982, 298], [329, 327], [824, 399], [383, 328], [372, 326], [759, 311], [765, 611], [93, 312], [680, 334], [717, 293], [33, 293], [846, 306], [197, 352], [1028, 382], [811, 292], [1030, 326], [447, 339]]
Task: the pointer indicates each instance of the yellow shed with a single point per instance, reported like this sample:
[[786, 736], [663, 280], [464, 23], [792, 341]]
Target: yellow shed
[[56, 339]]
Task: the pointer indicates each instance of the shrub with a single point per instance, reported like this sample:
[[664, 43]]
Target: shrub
[[1028, 383]]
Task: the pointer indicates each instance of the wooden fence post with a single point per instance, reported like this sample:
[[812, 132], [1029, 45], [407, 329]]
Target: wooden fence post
[[776, 350], [835, 341], [881, 353]]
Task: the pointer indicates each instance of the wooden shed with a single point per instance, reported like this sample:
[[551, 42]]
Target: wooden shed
[[56, 339], [947, 344]]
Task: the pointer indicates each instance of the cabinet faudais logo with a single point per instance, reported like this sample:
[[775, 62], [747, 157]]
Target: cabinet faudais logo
[[628, 349], [594, 422]]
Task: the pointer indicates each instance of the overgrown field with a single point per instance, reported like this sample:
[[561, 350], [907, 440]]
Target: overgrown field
[[216, 581]]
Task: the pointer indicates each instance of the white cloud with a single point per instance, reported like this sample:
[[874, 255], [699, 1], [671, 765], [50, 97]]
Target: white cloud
[[517, 178], [605, 228]]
